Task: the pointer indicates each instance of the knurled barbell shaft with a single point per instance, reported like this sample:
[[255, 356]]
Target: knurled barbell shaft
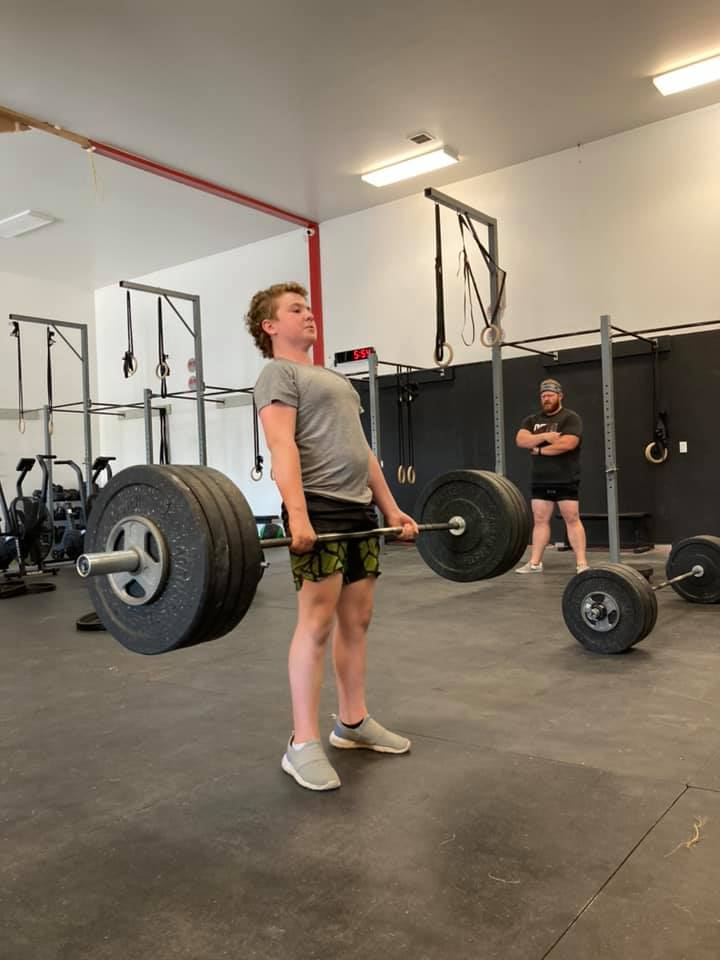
[[128, 561], [697, 571], [455, 524]]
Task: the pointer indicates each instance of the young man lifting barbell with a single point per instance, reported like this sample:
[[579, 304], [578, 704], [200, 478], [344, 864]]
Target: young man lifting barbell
[[329, 480]]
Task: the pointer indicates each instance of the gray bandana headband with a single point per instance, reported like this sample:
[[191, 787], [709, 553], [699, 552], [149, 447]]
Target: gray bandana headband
[[550, 386]]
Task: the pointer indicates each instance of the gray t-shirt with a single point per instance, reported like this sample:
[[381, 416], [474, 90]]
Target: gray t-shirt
[[328, 433]]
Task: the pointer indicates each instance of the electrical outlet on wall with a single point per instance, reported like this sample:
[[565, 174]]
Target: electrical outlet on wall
[[682, 446]]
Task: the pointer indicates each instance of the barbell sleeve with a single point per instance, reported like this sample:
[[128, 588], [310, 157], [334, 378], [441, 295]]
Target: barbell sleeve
[[98, 564]]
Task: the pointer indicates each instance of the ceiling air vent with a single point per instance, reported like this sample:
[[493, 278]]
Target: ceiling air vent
[[422, 137]]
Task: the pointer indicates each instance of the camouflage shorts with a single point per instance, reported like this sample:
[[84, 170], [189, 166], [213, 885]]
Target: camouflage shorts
[[355, 559]]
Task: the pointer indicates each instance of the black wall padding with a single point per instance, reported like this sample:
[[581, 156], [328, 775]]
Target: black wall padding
[[453, 428]]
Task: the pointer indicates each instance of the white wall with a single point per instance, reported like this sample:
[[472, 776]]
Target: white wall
[[33, 296], [225, 283], [629, 226]]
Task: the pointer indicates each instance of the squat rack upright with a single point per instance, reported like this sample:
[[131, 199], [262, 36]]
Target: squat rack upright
[[86, 403]]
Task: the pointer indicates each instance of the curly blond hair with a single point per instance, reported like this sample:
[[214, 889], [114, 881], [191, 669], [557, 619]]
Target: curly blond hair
[[262, 307]]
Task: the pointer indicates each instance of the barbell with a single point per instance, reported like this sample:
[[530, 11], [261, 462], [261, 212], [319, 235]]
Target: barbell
[[611, 607], [174, 558]]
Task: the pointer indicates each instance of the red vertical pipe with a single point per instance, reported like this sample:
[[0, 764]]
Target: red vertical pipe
[[315, 271]]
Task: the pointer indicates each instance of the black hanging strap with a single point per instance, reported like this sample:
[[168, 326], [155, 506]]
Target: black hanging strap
[[257, 470], [401, 475], [15, 332], [410, 395], [50, 345], [660, 424], [439, 291], [163, 372], [129, 360]]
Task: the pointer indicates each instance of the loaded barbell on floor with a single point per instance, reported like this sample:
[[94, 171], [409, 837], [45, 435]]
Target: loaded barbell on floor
[[174, 556], [611, 607]]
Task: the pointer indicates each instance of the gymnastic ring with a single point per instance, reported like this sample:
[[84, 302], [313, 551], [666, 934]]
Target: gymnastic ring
[[256, 474], [132, 366], [21, 425], [401, 475], [650, 454], [410, 475], [443, 362], [162, 370], [491, 335]]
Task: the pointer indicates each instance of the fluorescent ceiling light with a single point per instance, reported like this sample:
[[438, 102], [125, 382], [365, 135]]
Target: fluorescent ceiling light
[[413, 167], [685, 78], [23, 222]]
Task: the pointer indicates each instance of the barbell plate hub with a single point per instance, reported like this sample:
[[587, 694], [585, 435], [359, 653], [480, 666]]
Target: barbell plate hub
[[142, 537], [457, 526]]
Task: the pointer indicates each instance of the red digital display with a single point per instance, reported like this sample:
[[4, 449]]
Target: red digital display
[[350, 356]]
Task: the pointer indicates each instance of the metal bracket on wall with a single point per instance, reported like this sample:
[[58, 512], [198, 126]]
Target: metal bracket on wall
[[621, 349], [137, 413], [7, 413]]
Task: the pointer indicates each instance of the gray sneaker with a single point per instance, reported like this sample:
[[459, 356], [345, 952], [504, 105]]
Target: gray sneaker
[[370, 735], [530, 568], [310, 767]]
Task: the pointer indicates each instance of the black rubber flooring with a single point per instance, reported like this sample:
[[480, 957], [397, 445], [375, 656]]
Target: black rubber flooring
[[548, 807]]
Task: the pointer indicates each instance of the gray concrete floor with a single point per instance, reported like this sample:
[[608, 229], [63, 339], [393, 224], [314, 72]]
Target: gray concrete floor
[[541, 813]]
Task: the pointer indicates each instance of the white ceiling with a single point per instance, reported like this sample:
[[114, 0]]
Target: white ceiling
[[291, 101], [115, 222]]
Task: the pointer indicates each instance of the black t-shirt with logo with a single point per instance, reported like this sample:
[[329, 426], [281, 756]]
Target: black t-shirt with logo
[[565, 467]]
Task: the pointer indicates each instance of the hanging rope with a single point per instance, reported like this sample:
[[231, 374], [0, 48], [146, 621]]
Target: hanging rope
[[257, 470], [492, 332], [130, 364], [163, 372], [50, 345], [470, 287], [15, 332]]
